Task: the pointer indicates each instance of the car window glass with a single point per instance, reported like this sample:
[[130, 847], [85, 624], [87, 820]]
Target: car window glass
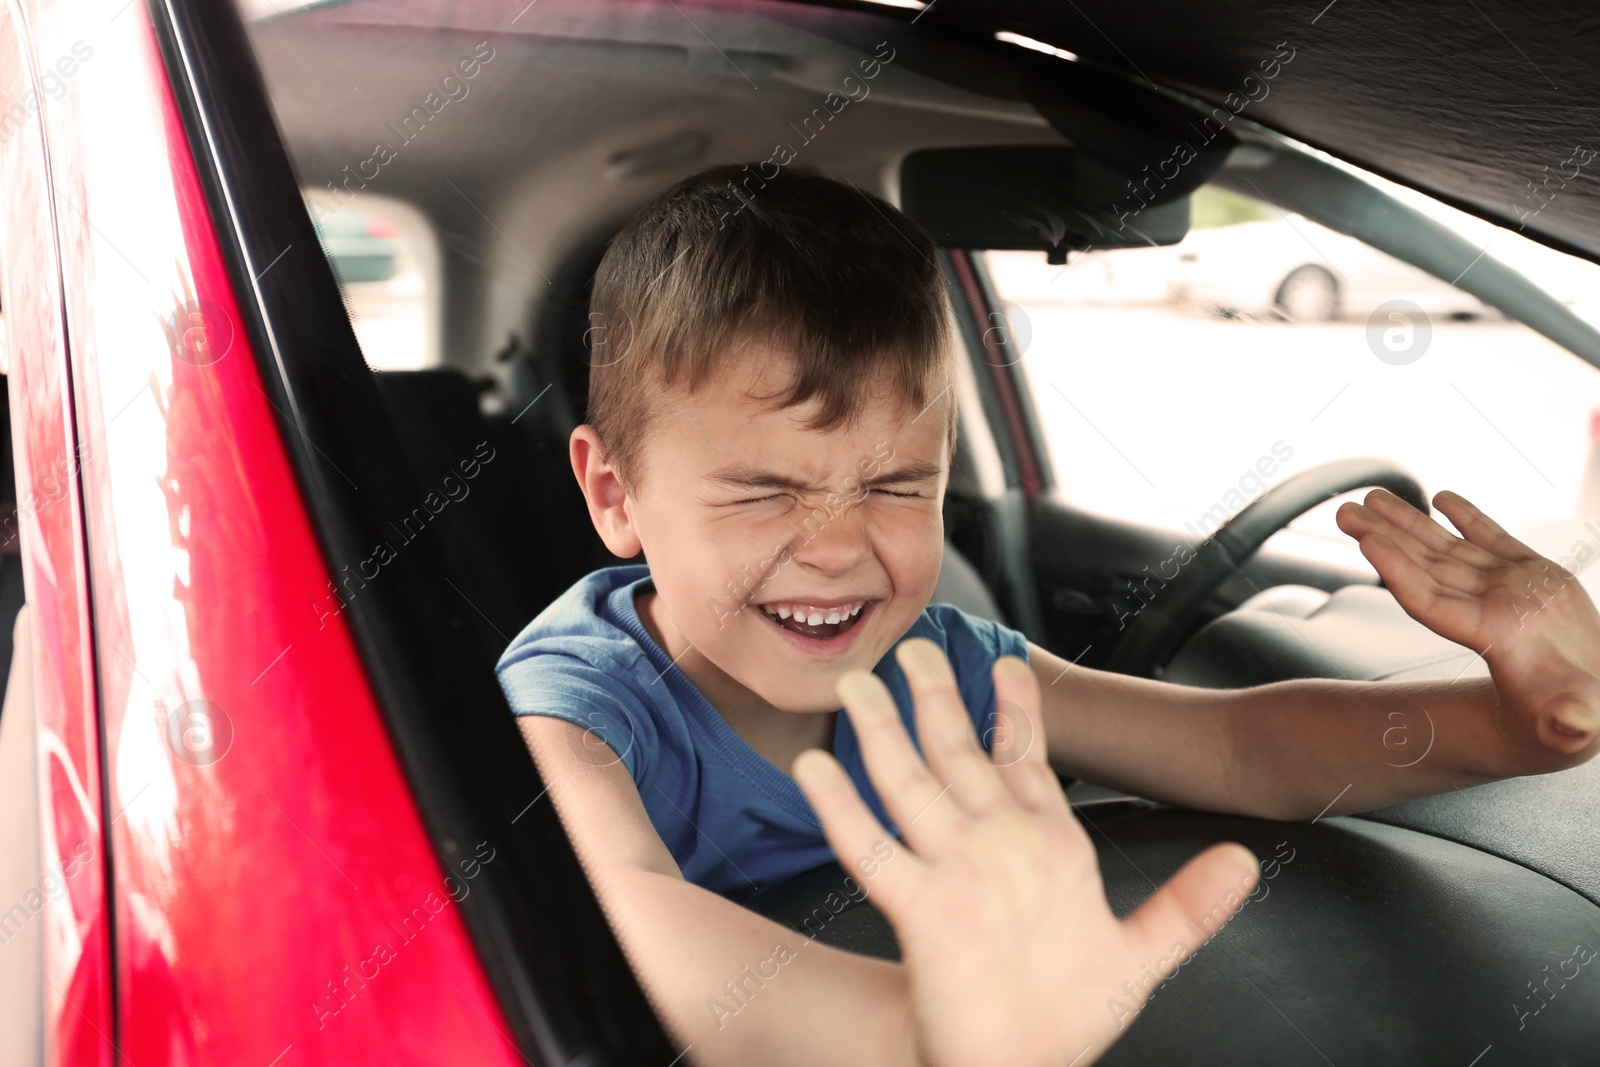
[[1175, 384], [385, 255], [464, 167]]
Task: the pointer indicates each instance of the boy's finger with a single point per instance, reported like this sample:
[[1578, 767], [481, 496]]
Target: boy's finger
[[912, 795], [1447, 612], [1398, 570], [1567, 724], [1019, 751], [1445, 567], [863, 847], [1480, 529], [1191, 907], [1423, 527], [949, 742]]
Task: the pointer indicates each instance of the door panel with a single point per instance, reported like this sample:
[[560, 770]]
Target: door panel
[[276, 896], [70, 901]]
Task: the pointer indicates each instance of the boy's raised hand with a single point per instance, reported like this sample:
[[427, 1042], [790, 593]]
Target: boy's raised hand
[[1013, 956], [1530, 619]]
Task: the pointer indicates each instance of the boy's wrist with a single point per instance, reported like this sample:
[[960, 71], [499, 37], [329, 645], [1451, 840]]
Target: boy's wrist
[[1477, 745]]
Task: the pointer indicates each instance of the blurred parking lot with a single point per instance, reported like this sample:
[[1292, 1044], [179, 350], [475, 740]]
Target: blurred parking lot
[[1153, 408]]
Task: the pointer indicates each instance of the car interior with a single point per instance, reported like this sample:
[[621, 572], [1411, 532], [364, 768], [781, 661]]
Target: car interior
[[501, 189]]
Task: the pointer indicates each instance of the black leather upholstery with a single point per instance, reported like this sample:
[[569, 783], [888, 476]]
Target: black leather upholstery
[[961, 584], [1368, 944], [520, 535], [1426, 944], [1548, 822], [1360, 631], [831, 907]]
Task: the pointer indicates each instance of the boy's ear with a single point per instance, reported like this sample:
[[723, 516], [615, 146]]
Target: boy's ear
[[603, 492]]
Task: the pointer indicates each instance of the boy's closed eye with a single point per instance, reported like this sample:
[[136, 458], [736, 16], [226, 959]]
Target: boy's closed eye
[[881, 492]]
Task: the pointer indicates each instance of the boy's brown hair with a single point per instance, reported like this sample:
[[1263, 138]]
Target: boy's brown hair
[[833, 274]]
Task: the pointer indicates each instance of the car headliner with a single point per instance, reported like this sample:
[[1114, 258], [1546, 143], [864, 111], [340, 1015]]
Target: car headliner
[[1468, 101], [1470, 106]]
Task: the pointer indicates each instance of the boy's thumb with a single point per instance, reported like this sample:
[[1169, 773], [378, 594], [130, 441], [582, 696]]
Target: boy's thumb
[[1194, 904]]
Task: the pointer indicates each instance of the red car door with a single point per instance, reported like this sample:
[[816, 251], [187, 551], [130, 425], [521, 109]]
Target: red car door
[[247, 878], [64, 913]]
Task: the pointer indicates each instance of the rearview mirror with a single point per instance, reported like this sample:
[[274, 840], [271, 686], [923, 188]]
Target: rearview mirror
[[1049, 198]]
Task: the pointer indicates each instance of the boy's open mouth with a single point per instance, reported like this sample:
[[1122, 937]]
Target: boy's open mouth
[[816, 621]]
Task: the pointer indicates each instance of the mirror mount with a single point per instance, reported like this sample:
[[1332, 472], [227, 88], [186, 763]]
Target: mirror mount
[[1124, 181]]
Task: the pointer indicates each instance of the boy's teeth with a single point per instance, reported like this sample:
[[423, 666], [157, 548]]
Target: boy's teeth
[[812, 616]]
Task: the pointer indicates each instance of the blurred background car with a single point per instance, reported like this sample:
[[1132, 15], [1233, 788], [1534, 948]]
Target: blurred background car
[[362, 245], [1291, 267]]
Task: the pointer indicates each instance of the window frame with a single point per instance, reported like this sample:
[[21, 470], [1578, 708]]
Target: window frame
[[559, 973]]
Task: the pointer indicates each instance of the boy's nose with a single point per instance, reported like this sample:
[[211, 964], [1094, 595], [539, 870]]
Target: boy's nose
[[833, 540]]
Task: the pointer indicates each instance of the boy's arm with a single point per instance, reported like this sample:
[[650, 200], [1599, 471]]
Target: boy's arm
[[1289, 750], [684, 942], [1300, 748], [1013, 958], [1153, 739]]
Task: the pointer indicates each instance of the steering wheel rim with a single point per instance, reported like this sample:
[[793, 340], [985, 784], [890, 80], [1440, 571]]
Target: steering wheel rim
[[1162, 625]]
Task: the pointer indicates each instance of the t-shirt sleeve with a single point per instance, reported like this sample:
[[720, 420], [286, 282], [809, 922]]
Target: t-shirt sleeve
[[587, 695], [972, 645]]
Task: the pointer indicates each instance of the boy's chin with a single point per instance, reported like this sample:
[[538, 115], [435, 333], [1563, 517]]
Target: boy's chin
[[818, 704], [814, 699]]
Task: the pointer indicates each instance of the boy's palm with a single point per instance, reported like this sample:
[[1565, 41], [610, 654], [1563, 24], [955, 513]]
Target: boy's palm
[[1530, 619], [1013, 955]]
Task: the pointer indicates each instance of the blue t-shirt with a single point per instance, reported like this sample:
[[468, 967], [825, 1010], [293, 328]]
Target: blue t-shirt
[[733, 822]]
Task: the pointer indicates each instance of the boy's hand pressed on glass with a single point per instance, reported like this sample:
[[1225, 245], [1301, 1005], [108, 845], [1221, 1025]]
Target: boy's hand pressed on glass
[[1010, 949]]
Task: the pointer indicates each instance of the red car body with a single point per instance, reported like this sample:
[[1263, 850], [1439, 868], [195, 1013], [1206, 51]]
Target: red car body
[[247, 880]]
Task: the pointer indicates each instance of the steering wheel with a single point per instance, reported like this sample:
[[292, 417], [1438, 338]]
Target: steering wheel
[[1161, 627]]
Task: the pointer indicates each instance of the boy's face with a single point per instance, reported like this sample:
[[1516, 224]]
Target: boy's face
[[746, 516]]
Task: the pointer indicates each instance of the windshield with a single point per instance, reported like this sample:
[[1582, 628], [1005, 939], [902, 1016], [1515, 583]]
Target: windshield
[[1175, 383]]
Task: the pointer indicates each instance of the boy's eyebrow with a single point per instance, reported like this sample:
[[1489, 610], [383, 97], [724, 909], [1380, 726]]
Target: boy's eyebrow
[[758, 478]]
